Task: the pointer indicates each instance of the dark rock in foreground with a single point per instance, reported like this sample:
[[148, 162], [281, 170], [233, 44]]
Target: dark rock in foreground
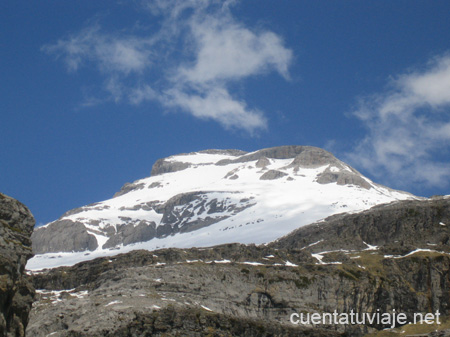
[[16, 290]]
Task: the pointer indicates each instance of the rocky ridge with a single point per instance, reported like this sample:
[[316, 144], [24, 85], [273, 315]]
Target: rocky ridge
[[399, 226], [16, 290], [390, 257]]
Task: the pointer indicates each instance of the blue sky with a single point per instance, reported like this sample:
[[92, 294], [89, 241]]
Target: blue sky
[[94, 92]]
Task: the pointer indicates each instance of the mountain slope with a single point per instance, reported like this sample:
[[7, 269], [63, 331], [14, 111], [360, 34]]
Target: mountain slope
[[212, 197], [249, 290]]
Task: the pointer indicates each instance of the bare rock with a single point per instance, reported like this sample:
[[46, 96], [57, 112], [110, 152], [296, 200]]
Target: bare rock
[[16, 291], [409, 223], [165, 166], [262, 162], [312, 157], [128, 187], [279, 152], [342, 177], [63, 236], [272, 175], [132, 233]]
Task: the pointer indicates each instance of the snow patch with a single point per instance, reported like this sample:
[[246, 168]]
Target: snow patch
[[254, 263], [290, 264], [206, 308], [312, 244], [112, 303], [370, 247]]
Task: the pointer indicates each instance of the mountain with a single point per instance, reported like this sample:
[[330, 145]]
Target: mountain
[[389, 258], [212, 197]]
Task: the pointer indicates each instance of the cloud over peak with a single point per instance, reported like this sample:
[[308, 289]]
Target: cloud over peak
[[225, 50], [217, 104], [216, 51]]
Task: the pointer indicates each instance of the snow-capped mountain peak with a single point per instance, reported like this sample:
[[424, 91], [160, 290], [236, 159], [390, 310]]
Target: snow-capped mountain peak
[[212, 197]]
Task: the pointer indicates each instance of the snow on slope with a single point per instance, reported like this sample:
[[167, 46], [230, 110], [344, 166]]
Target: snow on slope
[[247, 209]]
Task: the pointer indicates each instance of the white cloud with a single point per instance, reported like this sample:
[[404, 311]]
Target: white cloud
[[224, 51], [228, 51], [408, 126], [433, 86], [217, 104], [216, 51]]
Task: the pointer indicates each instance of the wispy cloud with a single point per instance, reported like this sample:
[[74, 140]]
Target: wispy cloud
[[409, 127], [216, 103], [216, 52], [111, 53]]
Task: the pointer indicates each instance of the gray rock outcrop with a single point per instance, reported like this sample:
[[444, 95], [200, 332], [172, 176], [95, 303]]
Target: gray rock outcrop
[[16, 290], [187, 212], [167, 166], [182, 213], [312, 157], [132, 233], [402, 225], [343, 177], [279, 152], [262, 162], [63, 236], [164, 166], [272, 175], [128, 187]]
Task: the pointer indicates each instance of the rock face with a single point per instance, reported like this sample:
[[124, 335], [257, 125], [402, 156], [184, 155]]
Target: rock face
[[280, 152], [215, 197], [272, 175], [185, 212], [403, 225], [165, 166], [16, 290], [64, 235], [390, 257]]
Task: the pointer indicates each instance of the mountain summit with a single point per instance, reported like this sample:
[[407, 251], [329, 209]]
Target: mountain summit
[[212, 197]]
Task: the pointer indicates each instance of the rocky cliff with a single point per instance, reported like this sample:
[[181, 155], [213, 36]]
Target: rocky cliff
[[16, 290], [399, 227], [391, 257]]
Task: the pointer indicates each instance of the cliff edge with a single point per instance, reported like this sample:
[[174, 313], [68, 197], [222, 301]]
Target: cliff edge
[[16, 290]]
